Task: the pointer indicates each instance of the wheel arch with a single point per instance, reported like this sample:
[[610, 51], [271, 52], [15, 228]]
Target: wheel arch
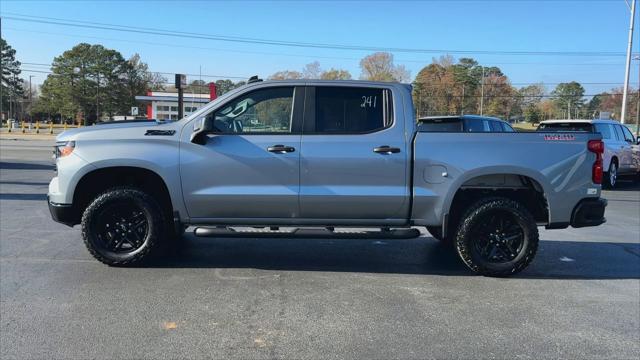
[[101, 179], [522, 185]]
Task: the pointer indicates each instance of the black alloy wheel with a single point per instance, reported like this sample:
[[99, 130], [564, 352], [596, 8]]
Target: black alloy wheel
[[121, 227], [498, 235]]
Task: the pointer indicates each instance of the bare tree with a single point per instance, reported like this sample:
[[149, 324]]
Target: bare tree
[[380, 67], [311, 71], [286, 75]]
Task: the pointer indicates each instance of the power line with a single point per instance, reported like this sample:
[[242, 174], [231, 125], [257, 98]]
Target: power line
[[152, 72], [285, 54], [239, 77], [238, 39]]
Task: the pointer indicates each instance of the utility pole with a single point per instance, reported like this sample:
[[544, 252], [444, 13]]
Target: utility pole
[[30, 100], [482, 92], [628, 64], [569, 110]]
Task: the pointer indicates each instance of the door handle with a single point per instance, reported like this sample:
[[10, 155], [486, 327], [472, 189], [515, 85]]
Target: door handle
[[281, 149], [386, 149]]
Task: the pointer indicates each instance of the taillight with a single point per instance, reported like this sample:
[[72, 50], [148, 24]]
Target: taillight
[[597, 147]]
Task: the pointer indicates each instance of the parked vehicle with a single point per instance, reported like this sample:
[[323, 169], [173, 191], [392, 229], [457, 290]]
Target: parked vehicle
[[309, 153], [621, 152], [463, 123]]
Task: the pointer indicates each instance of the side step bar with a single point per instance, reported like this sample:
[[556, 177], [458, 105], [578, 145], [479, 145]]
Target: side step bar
[[306, 233]]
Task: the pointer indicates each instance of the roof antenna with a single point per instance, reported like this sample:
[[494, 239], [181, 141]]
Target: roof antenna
[[253, 79]]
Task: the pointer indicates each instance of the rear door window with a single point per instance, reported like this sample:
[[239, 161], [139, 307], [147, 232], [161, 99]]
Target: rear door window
[[495, 126], [351, 110], [476, 126], [604, 130], [619, 133]]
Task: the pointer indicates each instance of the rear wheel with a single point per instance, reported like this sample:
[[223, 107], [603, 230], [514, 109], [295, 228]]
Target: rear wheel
[[124, 226], [611, 176], [497, 237]]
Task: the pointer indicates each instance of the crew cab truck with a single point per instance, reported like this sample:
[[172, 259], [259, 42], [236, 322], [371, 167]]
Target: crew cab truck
[[308, 153]]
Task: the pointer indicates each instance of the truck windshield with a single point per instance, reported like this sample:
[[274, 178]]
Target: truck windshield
[[440, 125], [566, 126]]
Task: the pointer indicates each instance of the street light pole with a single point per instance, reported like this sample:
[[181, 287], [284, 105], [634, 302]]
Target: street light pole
[[628, 64]]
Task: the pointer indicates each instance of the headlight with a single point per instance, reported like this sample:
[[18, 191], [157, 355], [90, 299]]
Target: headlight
[[64, 148]]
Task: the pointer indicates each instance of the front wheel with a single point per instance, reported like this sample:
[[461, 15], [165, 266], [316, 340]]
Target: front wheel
[[497, 237], [123, 226]]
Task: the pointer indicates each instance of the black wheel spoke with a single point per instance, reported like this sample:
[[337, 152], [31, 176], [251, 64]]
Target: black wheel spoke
[[497, 236], [122, 227]]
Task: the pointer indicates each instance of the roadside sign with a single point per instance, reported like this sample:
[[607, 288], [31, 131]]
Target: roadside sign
[[181, 81], [134, 111]]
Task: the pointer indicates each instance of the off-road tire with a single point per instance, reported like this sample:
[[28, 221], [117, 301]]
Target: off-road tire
[[464, 237], [154, 241]]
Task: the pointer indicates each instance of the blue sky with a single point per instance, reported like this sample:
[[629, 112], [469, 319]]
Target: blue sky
[[448, 25]]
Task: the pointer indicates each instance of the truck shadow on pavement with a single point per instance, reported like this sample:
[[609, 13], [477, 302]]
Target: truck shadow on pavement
[[25, 166], [424, 255]]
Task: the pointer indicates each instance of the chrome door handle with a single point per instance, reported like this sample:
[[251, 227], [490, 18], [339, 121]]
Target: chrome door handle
[[281, 149], [386, 149]]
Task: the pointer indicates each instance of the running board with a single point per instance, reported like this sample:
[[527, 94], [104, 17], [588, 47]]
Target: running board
[[306, 233]]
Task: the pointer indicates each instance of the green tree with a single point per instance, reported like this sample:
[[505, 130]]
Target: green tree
[[11, 85], [532, 114], [568, 96], [88, 81], [225, 85], [380, 67]]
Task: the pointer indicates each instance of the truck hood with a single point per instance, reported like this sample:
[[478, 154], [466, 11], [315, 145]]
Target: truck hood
[[73, 134]]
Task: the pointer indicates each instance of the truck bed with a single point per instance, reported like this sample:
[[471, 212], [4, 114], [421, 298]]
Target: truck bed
[[560, 164]]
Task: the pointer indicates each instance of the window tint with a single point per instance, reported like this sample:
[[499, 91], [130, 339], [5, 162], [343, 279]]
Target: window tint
[[495, 126], [604, 130], [628, 136], [476, 126], [507, 128], [351, 110], [440, 125], [619, 133], [260, 111], [567, 126]]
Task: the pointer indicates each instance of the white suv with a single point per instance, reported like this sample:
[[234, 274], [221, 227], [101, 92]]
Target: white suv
[[621, 153]]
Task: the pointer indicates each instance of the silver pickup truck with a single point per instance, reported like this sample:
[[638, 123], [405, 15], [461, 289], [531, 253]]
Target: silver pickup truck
[[322, 154]]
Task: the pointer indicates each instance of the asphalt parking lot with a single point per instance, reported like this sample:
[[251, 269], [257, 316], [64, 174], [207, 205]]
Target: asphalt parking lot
[[308, 298]]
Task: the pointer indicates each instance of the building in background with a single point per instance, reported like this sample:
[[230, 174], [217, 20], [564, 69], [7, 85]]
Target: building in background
[[162, 105]]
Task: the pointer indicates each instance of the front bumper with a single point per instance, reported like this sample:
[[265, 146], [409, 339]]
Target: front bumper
[[589, 212], [63, 213]]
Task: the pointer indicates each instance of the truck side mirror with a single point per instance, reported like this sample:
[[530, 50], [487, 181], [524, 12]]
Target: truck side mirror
[[201, 127]]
